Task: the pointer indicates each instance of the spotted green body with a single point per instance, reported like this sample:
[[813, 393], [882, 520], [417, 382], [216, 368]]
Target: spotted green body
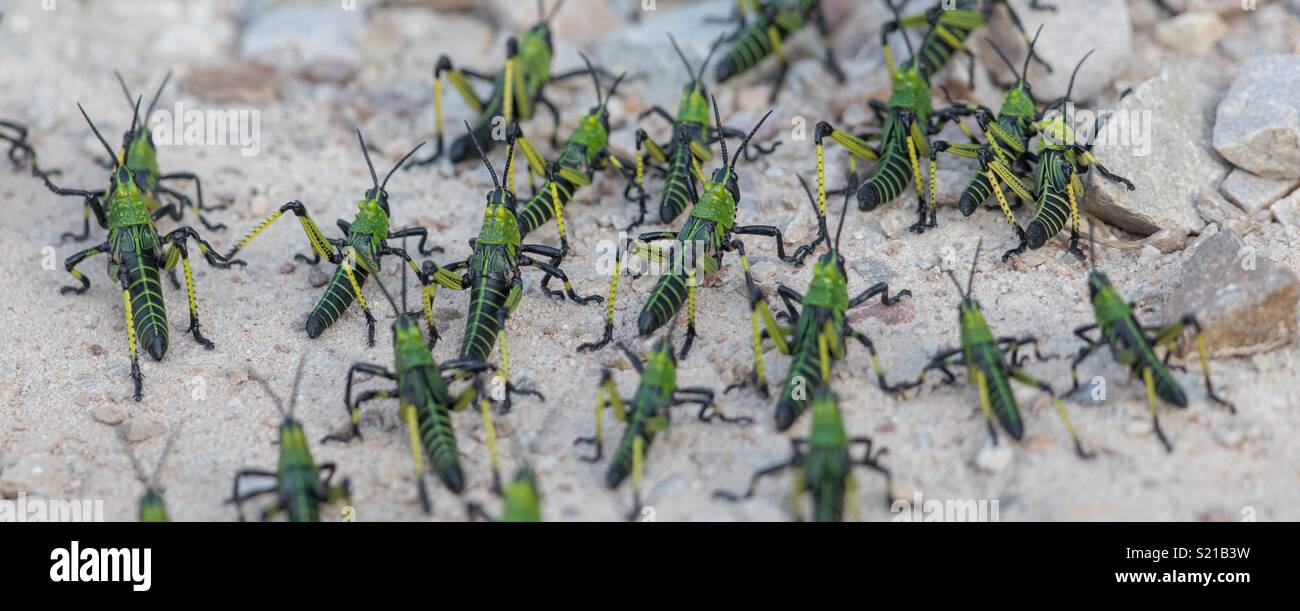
[[493, 269], [421, 388], [366, 236], [754, 43]]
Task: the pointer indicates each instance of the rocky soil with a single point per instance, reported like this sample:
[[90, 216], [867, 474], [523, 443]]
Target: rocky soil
[[1205, 122]]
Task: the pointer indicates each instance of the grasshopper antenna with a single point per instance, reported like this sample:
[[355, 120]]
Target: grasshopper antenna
[[970, 280], [699, 76], [389, 296], [1010, 66], [157, 94], [297, 376], [266, 386], [481, 155], [374, 178], [844, 211], [744, 143], [610, 95], [717, 118], [1069, 92], [399, 164], [100, 136], [554, 9], [1024, 72], [125, 90], [911, 53], [689, 70], [594, 77]]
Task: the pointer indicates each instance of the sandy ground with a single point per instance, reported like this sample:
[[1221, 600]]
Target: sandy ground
[[64, 389]]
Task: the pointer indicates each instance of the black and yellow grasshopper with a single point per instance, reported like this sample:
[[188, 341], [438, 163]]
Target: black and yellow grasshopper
[[584, 153], [357, 254], [141, 158], [1060, 162], [1006, 140], [819, 333], [1133, 345], [823, 465], [517, 90], [693, 126], [423, 391], [299, 489], [492, 274], [520, 499], [136, 257], [696, 252], [951, 23], [991, 369], [151, 505], [646, 414], [776, 20]]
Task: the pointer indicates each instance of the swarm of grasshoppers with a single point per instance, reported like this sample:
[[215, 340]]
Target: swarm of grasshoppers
[[136, 256]]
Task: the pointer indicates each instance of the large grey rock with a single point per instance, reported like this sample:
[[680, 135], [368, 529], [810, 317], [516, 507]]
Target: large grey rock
[[1163, 149], [1254, 193], [1258, 123], [1244, 302], [319, 42], [1069, 32]]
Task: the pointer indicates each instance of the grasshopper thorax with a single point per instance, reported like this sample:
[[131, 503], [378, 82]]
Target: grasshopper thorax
[[911, 91], [694, 105], [1019, 102], [294, 452], [592, 133], [829, 287], [660, 370], [522, 501], [500, 225], [827, 425], [974, 329], [409, 348], [372, 215], [717, 201]]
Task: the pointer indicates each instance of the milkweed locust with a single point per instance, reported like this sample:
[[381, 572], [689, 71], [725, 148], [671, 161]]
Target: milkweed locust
[[818, 333], [493, 276], [137, 255], [991, 369], [140, 156], [646, 414], [951, 23], [776, 20], [823, 465], [1133, 345], [585, 152], [693, 126], [357, 254], [299, 489], [151, 506], [1057, 186], [696, 251], [423, 391], [1006, 141], [517, 90]]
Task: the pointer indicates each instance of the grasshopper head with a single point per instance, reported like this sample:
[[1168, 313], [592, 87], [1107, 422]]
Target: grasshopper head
[[1098, 283], [829, 286]]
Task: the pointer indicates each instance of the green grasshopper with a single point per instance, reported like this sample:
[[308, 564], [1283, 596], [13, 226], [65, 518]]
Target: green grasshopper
[[698, 246], [426, 401], [522, 502], [646, 414], [1058, 189], [152, 508], [776, 21], [823, 465], [1007, 137], [299, 489], [585, 152], [516, 91], [991, 371], [693, 124], [1133, 345], [908, 120], [137, 255], [357, 255], [819, 333], [951, 23], [141, 158], [492, 273]]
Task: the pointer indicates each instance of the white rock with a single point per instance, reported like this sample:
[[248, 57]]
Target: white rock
[[993, 459], [1192, 33], [317, 42], [1258, 124], [1253, 193], [1147, 142]]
